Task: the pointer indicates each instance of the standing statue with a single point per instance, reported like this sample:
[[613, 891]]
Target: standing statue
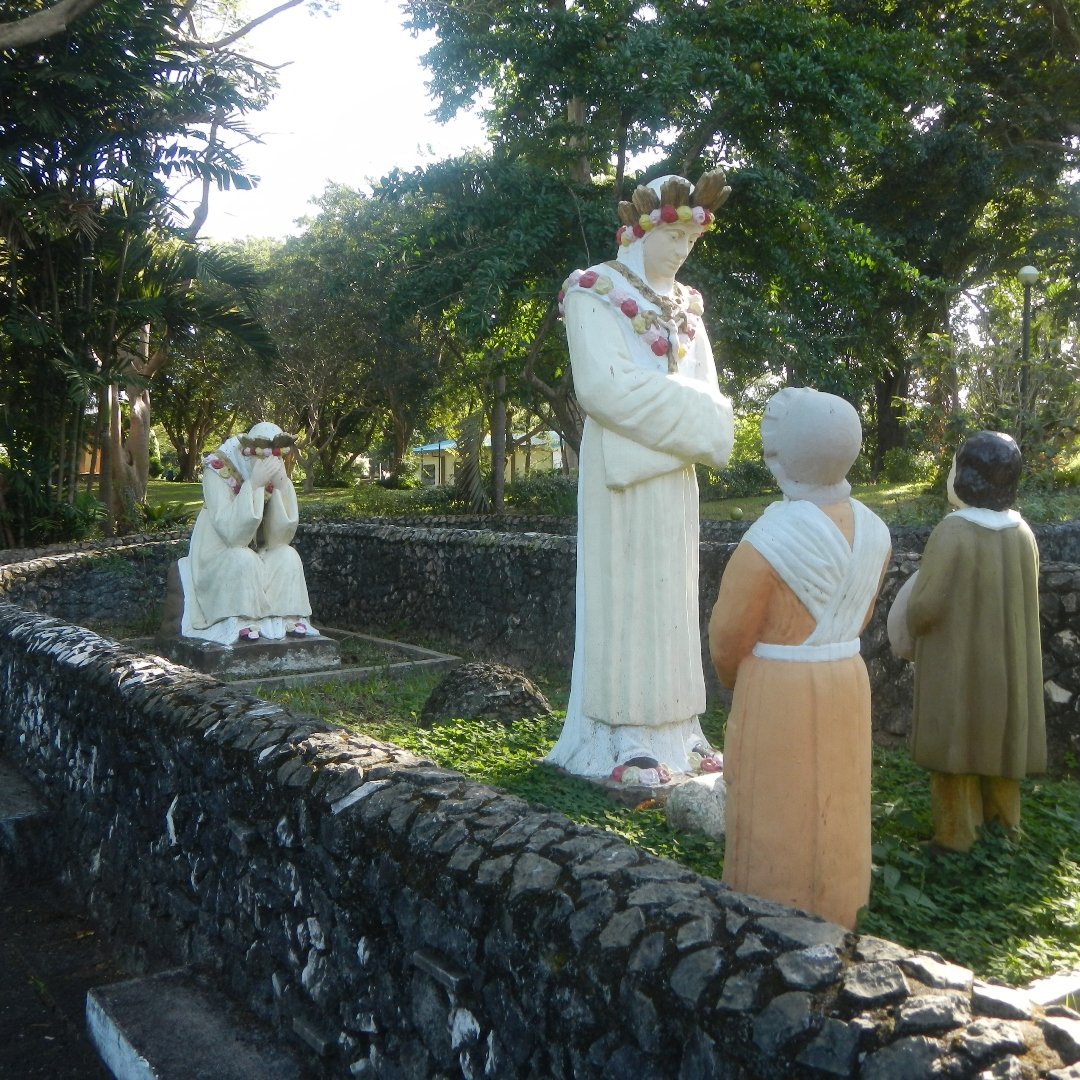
[[794, 598], [242, 580], [644, 374], [969, 618]]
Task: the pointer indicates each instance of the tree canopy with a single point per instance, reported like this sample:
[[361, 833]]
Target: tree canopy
[[892, 165], [99, 274]]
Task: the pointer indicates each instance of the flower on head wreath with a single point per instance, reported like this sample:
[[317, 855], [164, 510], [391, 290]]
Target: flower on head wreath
[[677, 201]]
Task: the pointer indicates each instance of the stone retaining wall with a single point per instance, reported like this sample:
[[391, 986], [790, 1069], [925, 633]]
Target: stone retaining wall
[[509, 597], [399, 921]]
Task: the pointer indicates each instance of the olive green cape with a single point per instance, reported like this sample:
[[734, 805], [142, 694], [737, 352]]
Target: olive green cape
[[974, 613]]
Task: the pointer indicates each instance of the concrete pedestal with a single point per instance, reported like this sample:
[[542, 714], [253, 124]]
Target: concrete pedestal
[[251, 659]]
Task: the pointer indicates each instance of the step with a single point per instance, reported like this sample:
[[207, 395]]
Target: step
[[22, 817], [175, 1026]]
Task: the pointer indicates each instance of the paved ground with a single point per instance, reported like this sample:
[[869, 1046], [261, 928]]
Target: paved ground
[[50, 957]]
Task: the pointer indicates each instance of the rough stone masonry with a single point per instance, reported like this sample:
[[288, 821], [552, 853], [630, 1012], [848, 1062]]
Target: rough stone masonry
[[397, 920]]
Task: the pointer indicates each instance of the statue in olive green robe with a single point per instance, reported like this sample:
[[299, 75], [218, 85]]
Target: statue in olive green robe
[[971, 616]]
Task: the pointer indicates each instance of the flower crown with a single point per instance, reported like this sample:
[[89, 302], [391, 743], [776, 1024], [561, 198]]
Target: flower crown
[[676, 202], [260, 447]]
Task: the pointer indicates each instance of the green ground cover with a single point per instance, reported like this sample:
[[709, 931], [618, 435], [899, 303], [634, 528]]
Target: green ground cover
[[1010, 909]]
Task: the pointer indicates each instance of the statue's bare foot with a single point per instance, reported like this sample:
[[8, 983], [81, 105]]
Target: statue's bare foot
[[642, 770], [299, 628]]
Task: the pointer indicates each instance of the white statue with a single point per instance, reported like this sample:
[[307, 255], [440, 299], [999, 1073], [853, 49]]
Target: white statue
[[644, 374], [242, 580]]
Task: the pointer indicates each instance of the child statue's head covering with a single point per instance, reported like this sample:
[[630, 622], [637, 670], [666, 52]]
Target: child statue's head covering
[[809, 441]]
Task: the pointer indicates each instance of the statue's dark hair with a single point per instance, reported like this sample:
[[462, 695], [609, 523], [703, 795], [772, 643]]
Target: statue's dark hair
[[988, 468]]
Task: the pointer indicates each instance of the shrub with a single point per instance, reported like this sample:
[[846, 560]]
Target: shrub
[[904, 466], [163, 517], [548, 493]]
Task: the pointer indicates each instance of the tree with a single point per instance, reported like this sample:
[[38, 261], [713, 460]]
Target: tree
[[100, 116], [353, 366], [878, 169]]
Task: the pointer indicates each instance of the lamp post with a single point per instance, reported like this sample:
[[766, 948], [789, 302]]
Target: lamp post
[[1027, 275]]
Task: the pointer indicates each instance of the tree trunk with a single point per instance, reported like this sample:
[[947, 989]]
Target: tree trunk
[[569, 419], [890, 394], [498, 444], [579, 167], [54, 19], [105, 456], [137, 444]]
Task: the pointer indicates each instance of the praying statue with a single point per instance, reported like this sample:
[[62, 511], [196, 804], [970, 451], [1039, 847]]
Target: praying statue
[[242, 580], [644, 375], [969, 618], [794, 598]]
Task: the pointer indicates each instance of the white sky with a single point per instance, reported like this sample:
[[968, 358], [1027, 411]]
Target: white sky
[[352, 105]]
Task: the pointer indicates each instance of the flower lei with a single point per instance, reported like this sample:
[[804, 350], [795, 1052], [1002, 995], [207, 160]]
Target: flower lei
[[676, 309], [230, 475], [664, 215]]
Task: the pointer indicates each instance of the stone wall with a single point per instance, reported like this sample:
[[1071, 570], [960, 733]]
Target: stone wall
[[398, 921], [509, 597]]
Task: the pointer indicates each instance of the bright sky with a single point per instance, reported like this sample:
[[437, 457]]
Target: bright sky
[[352, 105]]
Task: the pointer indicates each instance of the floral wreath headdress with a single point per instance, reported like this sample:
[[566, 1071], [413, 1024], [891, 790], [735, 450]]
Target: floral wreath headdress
[[677, 201], [253, 446]]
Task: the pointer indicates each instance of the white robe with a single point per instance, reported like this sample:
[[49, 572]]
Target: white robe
[[637, 685], [227, 583]]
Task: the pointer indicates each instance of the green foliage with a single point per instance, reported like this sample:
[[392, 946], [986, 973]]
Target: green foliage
[[77, 520], [163, 517], [546, 493], [96, 119], [904, 466], [746, 474], [1010, 909], [742, 478]]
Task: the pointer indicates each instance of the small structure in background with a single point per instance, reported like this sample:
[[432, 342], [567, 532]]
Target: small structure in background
[[439, 461]]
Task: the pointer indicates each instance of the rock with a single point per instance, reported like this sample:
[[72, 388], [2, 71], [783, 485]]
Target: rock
[[697, 805], [483, 691]]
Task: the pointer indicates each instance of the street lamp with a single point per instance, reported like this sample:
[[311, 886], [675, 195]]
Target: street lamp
[[1027, 275]]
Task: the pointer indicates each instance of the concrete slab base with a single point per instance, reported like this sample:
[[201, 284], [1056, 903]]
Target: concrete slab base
[[250, 659], [174, 1026]]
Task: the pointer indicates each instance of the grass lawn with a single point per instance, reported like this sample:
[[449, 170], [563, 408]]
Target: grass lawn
[[1010, 909], [898, 504], [189, 498], [907, 504]]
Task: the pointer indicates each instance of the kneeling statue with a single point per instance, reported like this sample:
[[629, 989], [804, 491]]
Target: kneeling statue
[[242, 580]]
